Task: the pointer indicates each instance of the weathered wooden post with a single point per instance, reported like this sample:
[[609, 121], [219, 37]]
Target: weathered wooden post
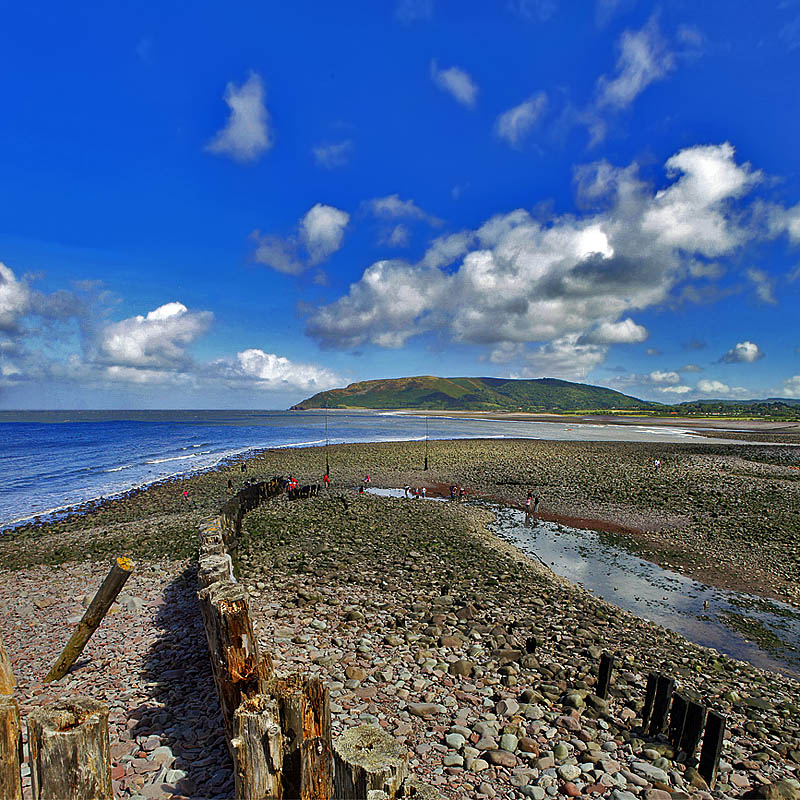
[[106, 595], [649, 699], [7, 681], [239, 670], [305, 714], [10, 749], [316, 779], [677, 719], [69, 751], [664, 689], [693, 728], [712, 747], [257, 746], [604, 675], [367, 758]]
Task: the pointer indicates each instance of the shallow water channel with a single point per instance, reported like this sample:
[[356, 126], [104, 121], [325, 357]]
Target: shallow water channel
[[764, 632]]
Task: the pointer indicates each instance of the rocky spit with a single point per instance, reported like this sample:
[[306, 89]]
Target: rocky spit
[[481, 661]]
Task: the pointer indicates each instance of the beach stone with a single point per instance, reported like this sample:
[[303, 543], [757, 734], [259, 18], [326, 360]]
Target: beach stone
[[453, 760], [455, 740], [501, 758], [571, 790], [534, 792], [355, 673], [486, 790], [560, 751], [622, 794], [507, 707], [546, 762], [529, 745], [462, 667], [780, 790], [569, 772], [478, 765], [657, 794], [509, 742], [694, 778], [423, 709], [650, 772]]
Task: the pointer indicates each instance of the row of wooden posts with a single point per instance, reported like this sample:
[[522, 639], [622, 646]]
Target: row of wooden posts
[[69, 751], [279, 727], [683, 720]]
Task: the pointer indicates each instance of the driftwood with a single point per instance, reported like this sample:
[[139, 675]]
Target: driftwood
[[239, 670], [257, 749], [98, 608], [368, 758], [69, 751], [10, 750], [7, 681]]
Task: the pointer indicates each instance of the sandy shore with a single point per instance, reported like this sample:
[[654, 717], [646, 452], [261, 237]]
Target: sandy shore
[[371, 591]]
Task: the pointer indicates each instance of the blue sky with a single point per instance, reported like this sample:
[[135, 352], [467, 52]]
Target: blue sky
[[216, 206]]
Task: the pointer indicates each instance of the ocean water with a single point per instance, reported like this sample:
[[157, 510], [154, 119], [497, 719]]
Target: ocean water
[[50, 460]]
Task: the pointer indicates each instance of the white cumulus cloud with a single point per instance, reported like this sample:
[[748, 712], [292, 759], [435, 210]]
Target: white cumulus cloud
[[16, 300], [322, 231], [516, 123], [791, 388], [678, 389], [246, 134], [156, 340], [319, 233], [271, 371], [456, 82], [561, 282], [392, 207], [743, 353]]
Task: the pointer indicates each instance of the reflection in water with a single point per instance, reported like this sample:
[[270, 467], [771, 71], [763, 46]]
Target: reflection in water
[[705, 615]]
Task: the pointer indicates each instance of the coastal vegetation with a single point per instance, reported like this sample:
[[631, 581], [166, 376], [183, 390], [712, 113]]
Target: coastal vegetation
[[540, 395]]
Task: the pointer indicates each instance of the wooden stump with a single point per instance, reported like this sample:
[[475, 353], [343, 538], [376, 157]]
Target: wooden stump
[[305, 714], [316, 781], [258, 749], [10, 749], [69, 751], [368, 758], [7, 681], [239, 670], [213, 568], [98, 608]]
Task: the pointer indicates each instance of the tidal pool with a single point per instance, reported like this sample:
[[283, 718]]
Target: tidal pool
[[764, 632]]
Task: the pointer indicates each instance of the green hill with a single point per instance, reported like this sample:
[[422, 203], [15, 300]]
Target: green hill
[[475, 394]]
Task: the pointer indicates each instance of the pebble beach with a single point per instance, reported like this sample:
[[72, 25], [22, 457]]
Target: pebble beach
[[477, 658]]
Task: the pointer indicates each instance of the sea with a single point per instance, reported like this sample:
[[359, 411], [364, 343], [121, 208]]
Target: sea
[[52, 460]]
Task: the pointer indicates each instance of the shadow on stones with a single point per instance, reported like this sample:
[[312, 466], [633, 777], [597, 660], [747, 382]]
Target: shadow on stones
[[184, 713]]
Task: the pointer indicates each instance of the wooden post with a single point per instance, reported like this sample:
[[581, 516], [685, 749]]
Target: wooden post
[[213, 568], [664, 689], [305, 714], [10, 749], [677, 719], [367, 758], [257, 749], [604, 675], [649, 699], [316, 780], [239, 670], [693, 728], [7, 682], [712, 747], [98, 608], [69, 751]]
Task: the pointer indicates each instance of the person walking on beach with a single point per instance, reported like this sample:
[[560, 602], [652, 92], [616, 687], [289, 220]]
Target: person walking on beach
[[230, 486], [406, 490], [528, 507], [536, 504], [422, 492], [326, 480], [656, 464], [185, 494]]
